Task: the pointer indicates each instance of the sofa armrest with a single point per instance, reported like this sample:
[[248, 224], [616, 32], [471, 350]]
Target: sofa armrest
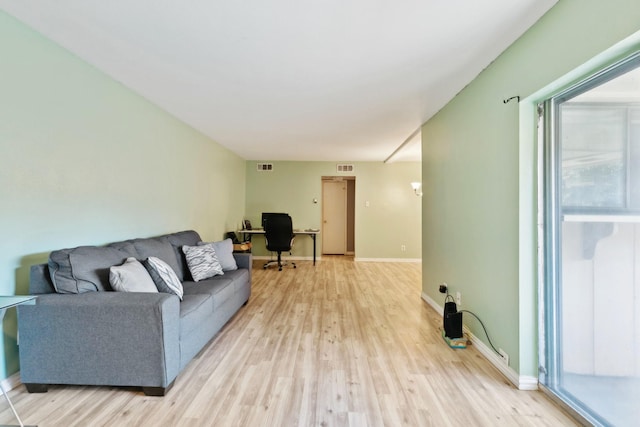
[[244, 260], [100, 338]]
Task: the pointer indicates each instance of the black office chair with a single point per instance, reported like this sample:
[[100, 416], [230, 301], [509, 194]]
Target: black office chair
[[278, 233]]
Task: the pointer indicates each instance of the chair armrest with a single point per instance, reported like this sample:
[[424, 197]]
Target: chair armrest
[[100, 338]]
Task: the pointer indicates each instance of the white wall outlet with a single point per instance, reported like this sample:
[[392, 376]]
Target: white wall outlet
[[458, 299], [403, 248], [504, 356]]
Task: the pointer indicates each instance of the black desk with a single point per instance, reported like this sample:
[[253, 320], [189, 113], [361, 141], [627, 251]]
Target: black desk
[[309, 232]]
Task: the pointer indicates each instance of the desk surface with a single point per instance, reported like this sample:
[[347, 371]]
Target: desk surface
[[311, 232], [12, 301], [295, 231]]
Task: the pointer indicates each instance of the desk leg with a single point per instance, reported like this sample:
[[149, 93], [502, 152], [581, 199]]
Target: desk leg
[[313, 236], [6, 396], [4, 392]]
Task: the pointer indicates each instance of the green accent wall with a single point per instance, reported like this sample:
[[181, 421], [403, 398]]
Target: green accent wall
[[392, 218], [479, 155], [86, 161]]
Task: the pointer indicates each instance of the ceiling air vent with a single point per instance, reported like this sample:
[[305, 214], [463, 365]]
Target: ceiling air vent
[[345, 168], [265, 167]]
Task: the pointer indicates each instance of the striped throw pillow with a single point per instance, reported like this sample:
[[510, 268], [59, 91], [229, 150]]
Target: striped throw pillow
[[202, 261], [164, 276]]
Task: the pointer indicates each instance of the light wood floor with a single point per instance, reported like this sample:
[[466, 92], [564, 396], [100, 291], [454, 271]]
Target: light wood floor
[[339, 344]]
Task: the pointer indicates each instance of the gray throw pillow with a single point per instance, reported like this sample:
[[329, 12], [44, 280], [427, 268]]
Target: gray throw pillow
[[131, 277], [224, 252], [202, 261], [163, 276]]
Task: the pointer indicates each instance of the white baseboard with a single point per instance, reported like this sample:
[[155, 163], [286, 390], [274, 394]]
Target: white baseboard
[[522, 382], [388, 259]]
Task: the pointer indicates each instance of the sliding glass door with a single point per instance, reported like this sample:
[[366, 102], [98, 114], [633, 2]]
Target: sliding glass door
[[591, 302]]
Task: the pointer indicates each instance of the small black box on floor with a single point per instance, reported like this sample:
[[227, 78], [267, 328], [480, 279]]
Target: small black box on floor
[[452, 320]]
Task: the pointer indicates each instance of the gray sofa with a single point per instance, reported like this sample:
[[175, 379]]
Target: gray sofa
[[94, 336]]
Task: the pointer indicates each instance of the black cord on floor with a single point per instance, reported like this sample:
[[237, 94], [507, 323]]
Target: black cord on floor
[[483, 327]]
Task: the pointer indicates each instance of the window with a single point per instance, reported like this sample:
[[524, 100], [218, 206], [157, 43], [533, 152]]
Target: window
[[590, 356], [600, 156]]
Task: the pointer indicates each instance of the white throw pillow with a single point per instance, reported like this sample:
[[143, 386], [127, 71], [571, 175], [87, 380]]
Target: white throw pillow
[[131, 277], [164, 276], [202, 261]]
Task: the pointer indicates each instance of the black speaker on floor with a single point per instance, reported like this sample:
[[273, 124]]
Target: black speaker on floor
[[452, 319]]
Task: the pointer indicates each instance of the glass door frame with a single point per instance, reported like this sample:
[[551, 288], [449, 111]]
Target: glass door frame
[[550, 268]]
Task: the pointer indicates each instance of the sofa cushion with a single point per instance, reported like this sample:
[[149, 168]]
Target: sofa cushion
[[163, 276], [158, 248], [131, 276], [239, 277], [84, 269], [220, 288], [202, 261], [177, 241], [224, 252], [125, 246], [194, 311]]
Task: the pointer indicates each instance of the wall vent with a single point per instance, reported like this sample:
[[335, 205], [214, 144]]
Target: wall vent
[[344, 168], [265, 167]]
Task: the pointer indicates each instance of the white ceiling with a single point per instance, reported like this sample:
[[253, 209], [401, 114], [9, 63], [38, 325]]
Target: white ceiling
[[291, 79]]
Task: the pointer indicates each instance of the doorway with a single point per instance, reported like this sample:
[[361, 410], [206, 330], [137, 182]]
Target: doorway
[[338, 215], [591, 345]]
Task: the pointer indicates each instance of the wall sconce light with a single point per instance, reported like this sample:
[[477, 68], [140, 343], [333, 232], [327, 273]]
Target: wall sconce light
[[417, 188]]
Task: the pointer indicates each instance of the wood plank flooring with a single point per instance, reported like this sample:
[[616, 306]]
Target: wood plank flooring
[[339, 344]]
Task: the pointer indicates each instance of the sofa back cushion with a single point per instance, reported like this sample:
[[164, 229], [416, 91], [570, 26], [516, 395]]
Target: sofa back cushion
[[177, 241], [40, 280], [86, 268], [158, 247]]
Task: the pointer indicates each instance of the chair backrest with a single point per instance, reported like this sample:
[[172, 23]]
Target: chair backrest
[[278, 231]]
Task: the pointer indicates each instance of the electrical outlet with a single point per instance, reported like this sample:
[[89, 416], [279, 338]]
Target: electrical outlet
[[458, 300], [504, 356], [403, 248]]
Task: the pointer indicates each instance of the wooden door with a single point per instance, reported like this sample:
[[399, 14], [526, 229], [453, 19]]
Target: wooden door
[[334, 217]]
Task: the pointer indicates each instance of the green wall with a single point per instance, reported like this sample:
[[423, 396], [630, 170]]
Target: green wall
[[479, 218], [86, 161], [391, 220]]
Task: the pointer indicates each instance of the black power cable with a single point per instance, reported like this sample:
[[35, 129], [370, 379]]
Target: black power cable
[[444, 289], [483, 327]]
